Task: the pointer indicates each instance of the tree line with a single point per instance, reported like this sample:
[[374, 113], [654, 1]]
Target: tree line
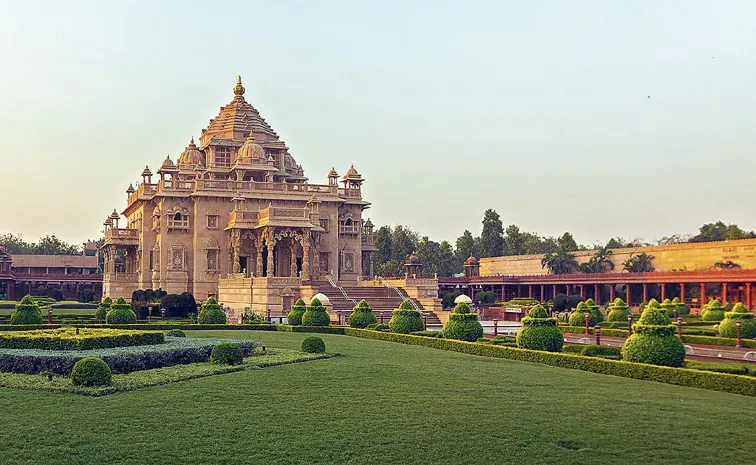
[[48, 245], [394, 244]]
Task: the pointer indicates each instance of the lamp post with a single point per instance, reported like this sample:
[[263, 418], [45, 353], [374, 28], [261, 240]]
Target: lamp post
[[598, 334], [587, 322], [162, 314], [496, 327], [149, 314], [738, 326], [49, 315], [679, 328]]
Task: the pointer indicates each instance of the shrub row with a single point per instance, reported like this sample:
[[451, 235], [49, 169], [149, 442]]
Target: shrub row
[[175, 351], [604, 331], [717, 341], [80, 306], [67, 339], [743, 385]]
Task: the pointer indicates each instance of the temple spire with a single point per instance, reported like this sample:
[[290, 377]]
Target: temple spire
[[239, 89]]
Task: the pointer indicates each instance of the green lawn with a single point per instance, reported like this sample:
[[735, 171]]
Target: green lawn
[[382, 403]]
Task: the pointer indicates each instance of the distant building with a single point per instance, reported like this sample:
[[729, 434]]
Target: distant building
[[24, 274]]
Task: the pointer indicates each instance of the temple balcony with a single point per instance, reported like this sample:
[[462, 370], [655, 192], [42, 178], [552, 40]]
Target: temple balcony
[[122, 236], [143, 192], [270, 216], [350, 193], [120, 277], [229, 186], [243, 220]]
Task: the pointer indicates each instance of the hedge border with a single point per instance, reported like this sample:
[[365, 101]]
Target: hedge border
[[734, 384]]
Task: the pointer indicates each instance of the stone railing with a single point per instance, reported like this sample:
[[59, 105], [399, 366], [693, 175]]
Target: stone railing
[[277, 281], [252, 186], [143, 189], [122, 277], [350, 193]]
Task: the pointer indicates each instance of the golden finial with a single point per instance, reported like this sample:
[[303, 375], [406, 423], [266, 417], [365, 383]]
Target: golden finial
[[239, 89], [192, 141]]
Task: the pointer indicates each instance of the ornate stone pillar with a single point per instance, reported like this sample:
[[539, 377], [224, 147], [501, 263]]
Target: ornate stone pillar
[[306, 256], [682, 292], [645, 292], [236, 246], [270, 241], [596, 294], [628, 297], [293, 264], [663, 289], [703, 295], [724, 293], [611, 293], [748, 295]]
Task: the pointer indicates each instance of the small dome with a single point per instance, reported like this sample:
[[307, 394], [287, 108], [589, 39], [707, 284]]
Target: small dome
[[413, 259], [108, 221], [368, 223], [322, 298], [130, 190], [471, 261], [191, 157], [146, 171], [352, 175], [463, 299], [167, 164], [333, 173], [3, 249], [250, 153], [114, 215]]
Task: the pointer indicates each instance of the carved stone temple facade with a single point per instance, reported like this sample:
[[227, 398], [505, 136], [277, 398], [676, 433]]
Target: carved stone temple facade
[[235, 217]]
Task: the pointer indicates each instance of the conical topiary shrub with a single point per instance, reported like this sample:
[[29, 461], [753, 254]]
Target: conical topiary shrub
[[103, 308], [406, 319], [594, 310], [27, 312], [316, 314], [618, 310], [120, 313], [362, 315], [463, 324], [577, 318], [668, 307], [539, 332], [713, 311], [654, 341], [728, 326], [212, 313], [294, 317], [680, 307]]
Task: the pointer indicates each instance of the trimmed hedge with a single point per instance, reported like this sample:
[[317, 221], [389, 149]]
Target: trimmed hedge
[[103, 308], [175, 333], [316, 314], [211, 313], [313, 345], [362, 315], [91, 371], [728, 326], [120, 313], [294, 317], [713, 311], [744, 385], [406, 319], [539, 332], [717, 341], [79, 306], [577, 317], [592, 350], [226, 353], [27, 312], [463, 324], [88, 338], [175, 351], [653, 340], [617, 311]]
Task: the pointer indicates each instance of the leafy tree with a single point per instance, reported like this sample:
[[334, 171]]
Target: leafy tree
[[445, 265], [428, 252], [675, 239], [492, 236], [601, 262], [465, 246], [514, 241], [48, 245], [641, 263], [382, 241], [567, 243], [15, 244], [720, 232], [560, 262], [403, 242]]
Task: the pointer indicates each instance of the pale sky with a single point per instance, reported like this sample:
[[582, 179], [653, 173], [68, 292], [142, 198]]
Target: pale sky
[[603, 118]]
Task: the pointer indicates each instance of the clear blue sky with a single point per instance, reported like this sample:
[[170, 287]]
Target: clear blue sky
[[537, 109]]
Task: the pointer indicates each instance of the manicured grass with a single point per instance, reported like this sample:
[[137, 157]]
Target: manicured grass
[[56, 312], [383, 402]]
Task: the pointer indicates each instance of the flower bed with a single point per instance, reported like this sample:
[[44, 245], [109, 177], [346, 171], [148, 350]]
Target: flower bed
[[86, 339], [175, 351]]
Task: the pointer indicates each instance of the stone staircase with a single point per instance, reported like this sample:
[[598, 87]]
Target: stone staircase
[[381, 299]]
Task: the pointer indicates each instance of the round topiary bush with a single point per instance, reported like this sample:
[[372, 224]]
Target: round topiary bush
[[212, 313], [316, 315], [728, 327], [176, 333], [463, 324], [294, 317], [539, 332], [594, 310], [577, 318], [362, 315], [120, 313], [91, 371], [27, 312], [103, 308], [406, 319], [713, 311], [617, 310], [226, 353], [313, 345], [668, 307], [653, 340], [680, 307]]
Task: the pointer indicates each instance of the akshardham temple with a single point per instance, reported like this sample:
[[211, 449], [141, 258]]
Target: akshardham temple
[[235, 217]]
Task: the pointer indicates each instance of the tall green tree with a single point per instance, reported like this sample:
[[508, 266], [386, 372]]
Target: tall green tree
[[465, 247], [48, 245], [641, 263], [514, 241], [560, 262], [567, 243], [601, 262], [492, 236], [428, 252], [403, 242], [382, 242], [446, 262]]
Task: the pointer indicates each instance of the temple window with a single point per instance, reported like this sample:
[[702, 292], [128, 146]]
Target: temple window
[[223, 157], [178, 221], [212, 260], [152, 260], [323, 261], [212, 221], [324, 223]]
